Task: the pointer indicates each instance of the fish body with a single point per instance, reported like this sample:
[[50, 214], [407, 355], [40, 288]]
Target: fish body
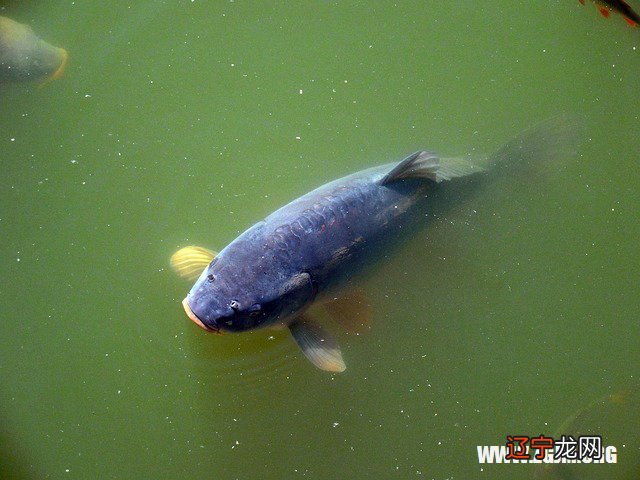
[[620, 6], [312, 248], [300, 252], [26, 57]]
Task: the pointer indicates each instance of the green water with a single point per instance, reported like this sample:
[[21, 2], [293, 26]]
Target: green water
[[184, 122]]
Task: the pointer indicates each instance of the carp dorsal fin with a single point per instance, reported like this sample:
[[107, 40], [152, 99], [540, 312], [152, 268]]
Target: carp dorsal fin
[[189, 262], [317, 344], [402, 169], [428, 165]]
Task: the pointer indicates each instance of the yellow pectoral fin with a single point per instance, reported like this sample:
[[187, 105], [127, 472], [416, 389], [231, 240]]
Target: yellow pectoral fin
[[317, 344], [188, 262], [351, 309]]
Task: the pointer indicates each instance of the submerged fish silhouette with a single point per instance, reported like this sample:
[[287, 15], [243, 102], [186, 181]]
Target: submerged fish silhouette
[[305, 252], [24, 56], [615, 419]]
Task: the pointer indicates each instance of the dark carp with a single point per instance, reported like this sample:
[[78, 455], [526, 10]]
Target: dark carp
[[26, 57], [309, 251]]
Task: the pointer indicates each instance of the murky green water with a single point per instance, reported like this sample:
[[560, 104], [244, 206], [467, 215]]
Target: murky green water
[[184, 122]]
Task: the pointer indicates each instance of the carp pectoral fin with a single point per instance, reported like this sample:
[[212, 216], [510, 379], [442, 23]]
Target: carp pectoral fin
[[318, 345], [351, 309], [188, 262]]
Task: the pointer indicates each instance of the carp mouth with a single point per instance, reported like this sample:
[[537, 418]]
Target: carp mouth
[[195, 319]]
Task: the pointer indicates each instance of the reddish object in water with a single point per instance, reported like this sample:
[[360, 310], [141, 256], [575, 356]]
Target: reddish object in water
[[620, 6]]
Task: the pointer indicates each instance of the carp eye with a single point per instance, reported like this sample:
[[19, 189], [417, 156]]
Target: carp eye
[[234, 305], [210, 277]]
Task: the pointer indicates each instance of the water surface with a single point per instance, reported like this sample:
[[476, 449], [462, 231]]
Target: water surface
[[184, 122]]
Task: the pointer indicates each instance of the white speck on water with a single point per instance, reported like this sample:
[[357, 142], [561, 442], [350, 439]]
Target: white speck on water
[[336, 424], [13, 139], [300, 91]]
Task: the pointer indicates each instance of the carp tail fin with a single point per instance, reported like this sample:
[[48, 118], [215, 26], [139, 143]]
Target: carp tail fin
[[543, 144]]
